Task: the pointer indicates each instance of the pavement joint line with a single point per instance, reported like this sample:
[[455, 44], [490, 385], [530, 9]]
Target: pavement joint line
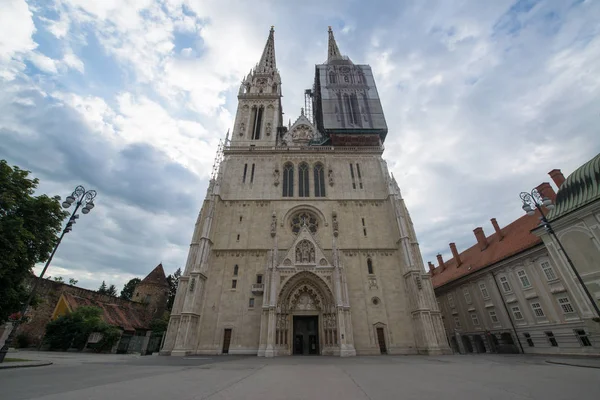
[[356, 384], [572, 365], [235, 383]]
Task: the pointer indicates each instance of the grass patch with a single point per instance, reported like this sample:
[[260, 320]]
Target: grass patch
[[15, 359]]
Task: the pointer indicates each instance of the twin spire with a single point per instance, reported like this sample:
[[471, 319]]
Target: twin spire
[[267, 61]]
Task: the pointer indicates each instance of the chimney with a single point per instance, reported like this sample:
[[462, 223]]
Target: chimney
[[546, 191], [497, 228], [455, 254], [441, 262], [431, 267], [557, 176], [481, 239]]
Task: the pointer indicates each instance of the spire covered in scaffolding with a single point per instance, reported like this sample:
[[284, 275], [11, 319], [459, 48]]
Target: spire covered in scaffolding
[[333, 52], [267, 62]]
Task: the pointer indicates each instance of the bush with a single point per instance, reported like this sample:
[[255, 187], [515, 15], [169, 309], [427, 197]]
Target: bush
[[22, 340], [73, 330]]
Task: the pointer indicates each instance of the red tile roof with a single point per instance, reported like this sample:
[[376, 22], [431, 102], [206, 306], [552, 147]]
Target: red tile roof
[[157, 277], [127, 317], [517, 237]]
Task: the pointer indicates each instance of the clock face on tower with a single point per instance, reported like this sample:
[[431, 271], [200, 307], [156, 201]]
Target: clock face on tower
[[261, 82]]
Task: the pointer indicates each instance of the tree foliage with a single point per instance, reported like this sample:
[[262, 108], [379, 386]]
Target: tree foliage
[[112, 290], [173, 281], [103, 289], [29, 228], [128, 288], [72, 330]]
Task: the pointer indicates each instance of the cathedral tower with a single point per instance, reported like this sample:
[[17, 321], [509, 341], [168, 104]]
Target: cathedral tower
[[304, 244]]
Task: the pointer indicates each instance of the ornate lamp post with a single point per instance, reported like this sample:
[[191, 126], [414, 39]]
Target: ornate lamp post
[[80, 197], [534, 200]]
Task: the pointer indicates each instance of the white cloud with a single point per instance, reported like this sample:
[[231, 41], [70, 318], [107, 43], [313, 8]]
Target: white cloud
[[72, 61]]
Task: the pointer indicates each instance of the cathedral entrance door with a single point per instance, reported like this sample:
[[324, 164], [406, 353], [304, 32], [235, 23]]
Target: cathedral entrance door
[[306, 335], [381, 340]]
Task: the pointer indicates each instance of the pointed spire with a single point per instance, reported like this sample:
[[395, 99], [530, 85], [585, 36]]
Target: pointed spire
[[267, 61], [333, 51]]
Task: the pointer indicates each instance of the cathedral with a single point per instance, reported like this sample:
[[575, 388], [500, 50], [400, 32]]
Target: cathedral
[[304, 244]]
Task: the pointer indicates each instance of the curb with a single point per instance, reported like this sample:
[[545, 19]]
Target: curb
[[572, 365], [23, 365]]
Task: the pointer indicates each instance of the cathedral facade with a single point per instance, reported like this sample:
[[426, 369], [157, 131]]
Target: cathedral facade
[[304, 244]]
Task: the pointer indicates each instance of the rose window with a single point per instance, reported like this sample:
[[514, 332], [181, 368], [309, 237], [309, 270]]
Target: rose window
[[304, 218]]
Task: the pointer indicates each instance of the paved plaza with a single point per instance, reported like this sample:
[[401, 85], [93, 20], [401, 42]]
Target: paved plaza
[[116, 377]]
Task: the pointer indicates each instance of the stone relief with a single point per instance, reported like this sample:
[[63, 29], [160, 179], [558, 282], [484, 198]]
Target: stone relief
[[373, 283], [305, 303], [335, 224], [268, 129], [302, 133], [305, 252], [330, 176], [276, 177]]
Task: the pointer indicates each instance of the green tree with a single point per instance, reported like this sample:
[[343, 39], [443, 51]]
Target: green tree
[[73, 281], [111, 291], [103, 289], [129, 287], [173, 281], [58, 279], [29, 228], [73, 330]]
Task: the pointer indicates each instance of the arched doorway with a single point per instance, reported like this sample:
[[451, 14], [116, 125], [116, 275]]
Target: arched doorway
[[467, 344], [454, 344], [479, 345], [306, 322]]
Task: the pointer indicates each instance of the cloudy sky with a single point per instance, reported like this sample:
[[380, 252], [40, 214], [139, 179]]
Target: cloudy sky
[[130, 98]]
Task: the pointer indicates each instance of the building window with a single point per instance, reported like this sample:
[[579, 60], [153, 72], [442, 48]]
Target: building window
[[245, 172], [537, 309], [360, 185], [235, 270], [252, 174], [505, 284], [565, 304], [529, 339], [288, 180], [548, 271], [259, 279], [240, 218], [258, 116], [517, 313], [370, 266], [251, 302], [551, 339], [467, 295], [319, 172], [303, 180], [352, 176], [493, 316], [304, 218], [484, 291], [475, 319], [450, 300], [457, 322], [238, 238], [234, 284], [524, 279], [583, 338], [364, 227]]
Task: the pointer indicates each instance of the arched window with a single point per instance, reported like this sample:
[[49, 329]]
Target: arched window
[[303, 180], [257, 121], [288, 180], [370, 266], [331, 77], [235, 270], [319, 180]]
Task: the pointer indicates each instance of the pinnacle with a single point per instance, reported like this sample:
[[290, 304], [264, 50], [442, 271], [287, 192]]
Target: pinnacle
[[267, 61]]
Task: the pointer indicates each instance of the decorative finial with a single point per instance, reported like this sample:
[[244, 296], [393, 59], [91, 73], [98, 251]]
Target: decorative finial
[[330, 28], [302, 111], [272, 27]]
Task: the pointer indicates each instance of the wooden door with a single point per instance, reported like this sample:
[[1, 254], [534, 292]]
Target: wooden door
[[381, 340], [226, 341]]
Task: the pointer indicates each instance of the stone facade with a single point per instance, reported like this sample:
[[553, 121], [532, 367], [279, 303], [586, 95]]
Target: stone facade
[[293, 230], [508, 293]]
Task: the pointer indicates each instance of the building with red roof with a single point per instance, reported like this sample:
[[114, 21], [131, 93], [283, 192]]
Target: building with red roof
[[508, 293]]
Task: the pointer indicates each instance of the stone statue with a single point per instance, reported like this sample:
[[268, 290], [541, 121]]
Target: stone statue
[[273, 225], [330, 176], [276, 177]]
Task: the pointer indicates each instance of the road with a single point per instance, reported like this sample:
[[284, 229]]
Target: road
[[116, 377]]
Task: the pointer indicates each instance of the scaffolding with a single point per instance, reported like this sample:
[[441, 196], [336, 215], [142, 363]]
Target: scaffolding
[[218, 159], [308, 105]]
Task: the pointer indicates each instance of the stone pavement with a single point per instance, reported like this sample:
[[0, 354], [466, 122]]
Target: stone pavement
[[230, 377]]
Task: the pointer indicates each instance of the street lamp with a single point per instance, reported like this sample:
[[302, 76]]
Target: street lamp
[[533, 201], [80, 197]]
